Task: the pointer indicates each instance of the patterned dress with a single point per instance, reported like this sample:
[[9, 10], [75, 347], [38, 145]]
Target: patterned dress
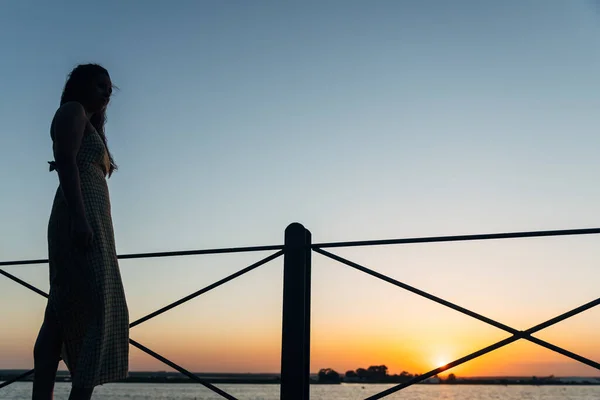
[[86, 291]]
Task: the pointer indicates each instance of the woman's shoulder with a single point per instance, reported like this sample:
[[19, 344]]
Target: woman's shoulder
[[70, 109], [69, 114]]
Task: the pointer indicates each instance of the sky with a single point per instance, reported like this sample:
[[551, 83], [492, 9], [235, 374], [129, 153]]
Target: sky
[[360, 120]]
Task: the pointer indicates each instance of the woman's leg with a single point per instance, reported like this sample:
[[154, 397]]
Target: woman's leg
[[46, 356], [78, 393]]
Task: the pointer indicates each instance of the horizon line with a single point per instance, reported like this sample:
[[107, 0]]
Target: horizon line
[[316, 373]]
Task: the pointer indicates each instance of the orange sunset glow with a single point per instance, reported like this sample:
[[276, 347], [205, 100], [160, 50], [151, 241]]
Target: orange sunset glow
[[357, 321]]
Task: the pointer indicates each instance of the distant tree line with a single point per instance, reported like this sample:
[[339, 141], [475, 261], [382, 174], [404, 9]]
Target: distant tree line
[[373, 374], [379, 374]]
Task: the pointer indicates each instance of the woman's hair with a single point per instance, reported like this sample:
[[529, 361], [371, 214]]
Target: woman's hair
[[77, 88]]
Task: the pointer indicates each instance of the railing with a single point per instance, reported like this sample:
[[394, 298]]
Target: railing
[[295, 351]]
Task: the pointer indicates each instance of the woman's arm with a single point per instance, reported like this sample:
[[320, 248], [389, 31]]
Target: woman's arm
[[67, 129]]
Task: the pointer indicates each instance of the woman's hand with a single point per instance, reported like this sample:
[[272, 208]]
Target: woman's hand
[[81, 233]]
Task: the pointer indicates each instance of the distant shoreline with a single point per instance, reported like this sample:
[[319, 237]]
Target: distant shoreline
[[161, 377], [256, 382]]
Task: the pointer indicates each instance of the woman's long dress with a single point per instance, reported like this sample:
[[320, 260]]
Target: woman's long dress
[[86, 290]]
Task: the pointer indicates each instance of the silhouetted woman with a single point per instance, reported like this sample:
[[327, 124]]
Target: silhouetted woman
[[86, 319]]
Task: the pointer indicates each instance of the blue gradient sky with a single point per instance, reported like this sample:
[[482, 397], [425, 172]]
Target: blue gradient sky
[[359, 119]]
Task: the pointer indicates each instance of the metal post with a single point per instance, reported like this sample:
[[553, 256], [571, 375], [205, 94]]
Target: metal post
[[295, 341]]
